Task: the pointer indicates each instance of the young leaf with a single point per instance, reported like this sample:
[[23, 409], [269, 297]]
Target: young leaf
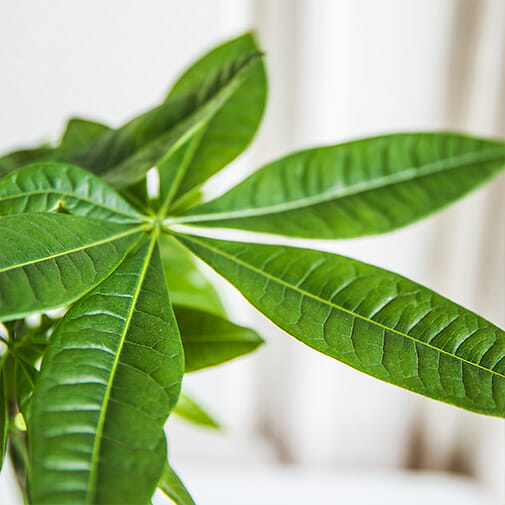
[[187, 284], [49, 186], [50, 260], [174, 488], [233, 127], [359, 188], [210, 340], [109, 379], [123, 156], [189, 410], [373, 320]]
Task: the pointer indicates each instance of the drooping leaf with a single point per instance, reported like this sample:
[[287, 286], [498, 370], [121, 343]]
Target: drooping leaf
[[210, 340], [109, 379], [50, 260], [174, 488], [359, 188], [188, 409], [123, 156], [187, 284], [49, 186], [373, 320], [233, 127]]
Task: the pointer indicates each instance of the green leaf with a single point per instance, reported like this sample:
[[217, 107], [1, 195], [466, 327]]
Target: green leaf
[[173, 487], [123, 156], [187, 284], [4, 421], [233, 127], [189, 410], [210, 340], [26, 376], [79, 134], [10, 162], [373, 320], [364, 187], [50, 260], [49, 186], [108, 381]]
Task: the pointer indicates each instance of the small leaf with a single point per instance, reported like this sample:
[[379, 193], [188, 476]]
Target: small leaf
[[187, 284], [373, 320], [50, 260], [26, 376], [233, 127], [189, 410], [108, 381], [210, 340], [364, 187], [4, 422], [173, 487], [44, 187]]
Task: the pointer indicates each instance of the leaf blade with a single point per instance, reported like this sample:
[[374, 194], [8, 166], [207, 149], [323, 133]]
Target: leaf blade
[[173, 487], [373, 320], [49, 260], [189, 410], [45, 187], [122, 380], [359, 188]]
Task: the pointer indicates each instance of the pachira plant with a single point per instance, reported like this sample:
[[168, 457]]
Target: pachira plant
[[84, 395]]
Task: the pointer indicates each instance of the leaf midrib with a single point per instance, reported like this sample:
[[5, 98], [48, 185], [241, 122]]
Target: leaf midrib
[[338, 307], [95, 456], [410, 174], [75, 196], [111, 238]]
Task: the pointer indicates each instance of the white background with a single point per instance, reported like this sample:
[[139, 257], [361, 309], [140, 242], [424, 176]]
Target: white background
[[338, 69]]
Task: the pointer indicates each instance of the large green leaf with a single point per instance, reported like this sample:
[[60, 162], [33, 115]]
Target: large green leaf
[[49, 186], [359, 188], [188, 409], [187, 284], [233, 127], [123, 156], [49, 260], [210, 340], [109, 379], [174, 488], [371, 319]]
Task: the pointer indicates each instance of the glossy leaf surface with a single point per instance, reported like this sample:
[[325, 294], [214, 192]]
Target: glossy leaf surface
[[49, 260], [49, 186], [210, 340], [373, 320], [188, 409], [173, 487], [364, 187], [233, 127], [123, 156], [108, 381]]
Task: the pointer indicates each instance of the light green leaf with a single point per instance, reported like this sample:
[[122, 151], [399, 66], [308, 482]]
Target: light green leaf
[[187, 284], [78, 134], [210, 340], [189, 410], [109, 379], [233, 127], [364, 187], [373, 320], [49, 186], [50, 260], [123, 156], [173, 487]]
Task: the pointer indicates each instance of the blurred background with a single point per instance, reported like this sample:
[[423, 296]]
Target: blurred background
[[299, 426]]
